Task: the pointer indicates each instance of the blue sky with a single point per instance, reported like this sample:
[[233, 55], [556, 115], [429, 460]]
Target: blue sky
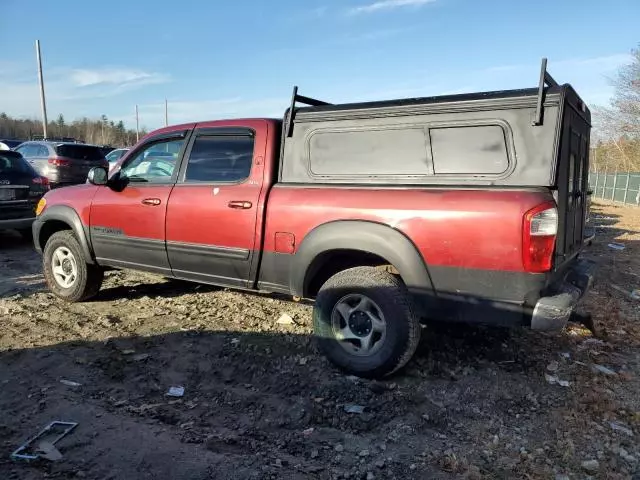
[[217, 58]]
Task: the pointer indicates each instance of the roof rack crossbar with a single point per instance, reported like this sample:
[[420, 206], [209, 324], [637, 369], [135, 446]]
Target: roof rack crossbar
[[295, 98], [545, 79]]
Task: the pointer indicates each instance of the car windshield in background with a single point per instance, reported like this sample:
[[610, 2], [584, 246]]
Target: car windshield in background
[[115, 155], [79, 152], [11, 162]]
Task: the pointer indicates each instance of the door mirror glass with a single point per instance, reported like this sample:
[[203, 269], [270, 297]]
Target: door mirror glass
[[97, 176]]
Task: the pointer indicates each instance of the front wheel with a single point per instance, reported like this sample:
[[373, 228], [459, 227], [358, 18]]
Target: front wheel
[[67, 275], [365, 323]]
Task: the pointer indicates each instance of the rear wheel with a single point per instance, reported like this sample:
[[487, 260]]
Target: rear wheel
[[364, 322], [67, 275]]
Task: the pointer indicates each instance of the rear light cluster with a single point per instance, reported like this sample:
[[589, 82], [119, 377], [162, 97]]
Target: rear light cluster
[[44, 181], [59, 162], [539, 237]]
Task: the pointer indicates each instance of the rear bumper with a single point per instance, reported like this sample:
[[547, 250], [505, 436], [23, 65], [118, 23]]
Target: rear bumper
[[552, 311], [16, 223]]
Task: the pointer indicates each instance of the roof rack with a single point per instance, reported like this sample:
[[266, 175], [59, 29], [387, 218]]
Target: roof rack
[[545, 79], [299, 99]]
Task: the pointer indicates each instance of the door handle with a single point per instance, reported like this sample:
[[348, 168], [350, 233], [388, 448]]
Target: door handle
[[240, 204], [151, 201]]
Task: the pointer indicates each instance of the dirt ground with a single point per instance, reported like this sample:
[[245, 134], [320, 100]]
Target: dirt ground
[[260, 403]]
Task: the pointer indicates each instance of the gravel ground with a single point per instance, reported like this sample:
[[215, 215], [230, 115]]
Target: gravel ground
[[261, 403]]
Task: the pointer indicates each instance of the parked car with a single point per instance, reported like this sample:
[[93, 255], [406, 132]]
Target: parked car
[[464, 208], [7, 144], [20, 190], [115, 155], [106, 149], [61, 162]]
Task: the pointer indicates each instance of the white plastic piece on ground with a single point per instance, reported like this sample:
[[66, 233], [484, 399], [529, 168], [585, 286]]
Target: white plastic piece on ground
[[70, 383], [176, 392], [285, 319]]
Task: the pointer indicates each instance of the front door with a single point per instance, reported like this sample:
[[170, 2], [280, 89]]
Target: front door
[[213, 209], [128, 218]]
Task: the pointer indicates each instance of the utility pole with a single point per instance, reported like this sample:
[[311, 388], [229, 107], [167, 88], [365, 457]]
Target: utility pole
[[166, 114], [137, 126], [43, 103]]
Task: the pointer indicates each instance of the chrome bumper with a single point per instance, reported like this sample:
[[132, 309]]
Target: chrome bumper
[[553, 312]]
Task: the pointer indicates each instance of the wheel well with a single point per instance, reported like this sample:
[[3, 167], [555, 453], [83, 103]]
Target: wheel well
[[49, 228], [327, 264]]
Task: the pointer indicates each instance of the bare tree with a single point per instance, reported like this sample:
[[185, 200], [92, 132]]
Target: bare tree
[[618, 126]]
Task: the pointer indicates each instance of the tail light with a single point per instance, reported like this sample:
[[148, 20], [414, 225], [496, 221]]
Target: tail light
[[59, 162], [539, 237], [44, 181]]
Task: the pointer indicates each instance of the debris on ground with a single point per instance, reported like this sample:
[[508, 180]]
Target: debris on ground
[[616, 246], [358, 409], [604, 370], [621, 428], [175, 392], [553, 380], [48, 451], [70, 383], [285, 319], [590, 466], [633, 295], [43, 444]]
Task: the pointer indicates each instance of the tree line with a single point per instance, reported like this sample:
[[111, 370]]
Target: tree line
[[618, 125], [100, 131]]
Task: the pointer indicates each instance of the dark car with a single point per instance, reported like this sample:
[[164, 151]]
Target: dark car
[[9, 143], [62, 163], [106, 149], [20, 190]]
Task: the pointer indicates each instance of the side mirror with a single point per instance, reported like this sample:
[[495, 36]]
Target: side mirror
[[98, 176]]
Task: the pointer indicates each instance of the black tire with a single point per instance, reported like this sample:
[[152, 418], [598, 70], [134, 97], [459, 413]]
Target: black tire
[[89, 278], [391, 298]]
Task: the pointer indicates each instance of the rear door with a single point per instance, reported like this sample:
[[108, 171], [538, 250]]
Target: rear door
[[214, 207], [572, 177]]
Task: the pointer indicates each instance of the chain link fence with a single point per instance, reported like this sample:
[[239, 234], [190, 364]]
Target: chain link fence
[[623, 187]]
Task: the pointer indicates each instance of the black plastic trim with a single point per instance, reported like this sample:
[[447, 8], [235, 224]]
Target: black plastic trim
[[182, 248], [369, 237], [66, 214], [119, 250], [495, 285]]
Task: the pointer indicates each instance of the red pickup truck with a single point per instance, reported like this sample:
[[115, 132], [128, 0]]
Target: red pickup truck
[[468, 207]]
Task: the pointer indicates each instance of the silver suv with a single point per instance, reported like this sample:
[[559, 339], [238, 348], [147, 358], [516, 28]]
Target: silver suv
[[61, 162]]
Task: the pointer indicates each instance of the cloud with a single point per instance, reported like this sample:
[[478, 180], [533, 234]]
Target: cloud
[[388, 5], [184, 111], [72, 91], [116, 76]]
